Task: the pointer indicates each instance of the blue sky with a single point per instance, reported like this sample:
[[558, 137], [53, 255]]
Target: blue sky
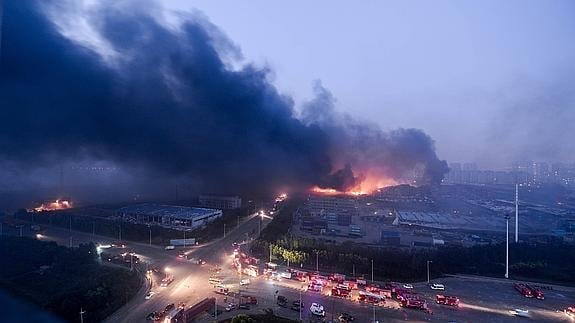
[[478, 76]]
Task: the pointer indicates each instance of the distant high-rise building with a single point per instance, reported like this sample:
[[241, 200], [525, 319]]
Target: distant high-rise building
[[470, 167]]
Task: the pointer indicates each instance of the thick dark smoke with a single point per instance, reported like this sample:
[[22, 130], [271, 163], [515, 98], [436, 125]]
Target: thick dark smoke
[[165, 104], [395, 154]]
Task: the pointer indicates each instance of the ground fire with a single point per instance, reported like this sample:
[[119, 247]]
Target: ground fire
[[54, 205]]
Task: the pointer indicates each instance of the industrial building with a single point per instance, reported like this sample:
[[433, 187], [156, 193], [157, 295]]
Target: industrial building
[[221, 202], [176, 217], [322, 205]]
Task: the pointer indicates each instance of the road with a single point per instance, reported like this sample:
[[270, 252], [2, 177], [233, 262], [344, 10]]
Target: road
[[482, 299]]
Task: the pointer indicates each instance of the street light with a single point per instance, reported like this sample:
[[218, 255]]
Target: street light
[[428, 262]]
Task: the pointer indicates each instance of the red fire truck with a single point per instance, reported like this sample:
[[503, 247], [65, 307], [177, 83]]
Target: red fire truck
[[371, 298], [416, 303], [523, 289], [536, 291], [341, 291], [446, 300], [337, 278]]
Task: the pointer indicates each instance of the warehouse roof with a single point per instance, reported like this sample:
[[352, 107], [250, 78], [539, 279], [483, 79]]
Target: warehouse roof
[[174, 211]]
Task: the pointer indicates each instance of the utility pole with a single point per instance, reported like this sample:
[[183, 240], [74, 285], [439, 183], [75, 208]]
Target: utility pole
[[150, 228], [317, 261], [185, 236], [270, 252], [507, 246], [224, 230], [300, 288], [216, 309], [82, 312], [372, 271], [516, 213], [21, 226], [70, 241], [428, 262]]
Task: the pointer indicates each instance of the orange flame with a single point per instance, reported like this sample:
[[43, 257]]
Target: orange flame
[[54, 205], [369, 185]]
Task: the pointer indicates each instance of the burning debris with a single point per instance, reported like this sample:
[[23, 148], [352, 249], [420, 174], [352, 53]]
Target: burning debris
[[54, 206]]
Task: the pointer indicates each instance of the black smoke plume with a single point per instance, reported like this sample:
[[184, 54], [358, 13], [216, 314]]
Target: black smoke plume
[[163, 102]]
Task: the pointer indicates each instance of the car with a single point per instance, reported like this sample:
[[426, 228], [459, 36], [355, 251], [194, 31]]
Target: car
[[345, 317], [407, 286], [152, 316], [230, 306], [244, 282], [169, 307], [437, 286], [317, 309], [149, 295], [519, 312], [297, 305], [282, 301], [244, 307]]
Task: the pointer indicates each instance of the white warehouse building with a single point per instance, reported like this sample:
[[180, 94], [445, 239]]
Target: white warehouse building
[[172, 216]]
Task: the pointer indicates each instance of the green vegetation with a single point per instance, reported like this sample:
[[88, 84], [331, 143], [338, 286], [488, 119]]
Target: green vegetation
[[550, 262], [63, 280], [131, 231]]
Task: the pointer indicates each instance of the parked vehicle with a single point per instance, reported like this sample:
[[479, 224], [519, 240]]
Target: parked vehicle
[[149, 295], [446, 300], [519, 312], [317, 309], [407, 286], [345, 317], [244, 282], [437, 286], [282, 301]]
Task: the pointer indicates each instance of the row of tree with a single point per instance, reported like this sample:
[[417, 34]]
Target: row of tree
[[554, 261]]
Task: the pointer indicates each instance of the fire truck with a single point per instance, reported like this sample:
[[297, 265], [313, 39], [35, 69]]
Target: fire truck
[[416, 303], [251, 270], [402, 294], [446, 300], [337, 278], [299, 275], [341, 291], [247, 299], [523, 289], [537, 293], [370, 298], [313, 287]]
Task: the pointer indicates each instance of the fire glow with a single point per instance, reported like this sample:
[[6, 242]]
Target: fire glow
[[54, 205], [367, 186]]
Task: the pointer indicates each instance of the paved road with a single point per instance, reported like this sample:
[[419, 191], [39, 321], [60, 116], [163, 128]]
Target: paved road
[[482, 299]]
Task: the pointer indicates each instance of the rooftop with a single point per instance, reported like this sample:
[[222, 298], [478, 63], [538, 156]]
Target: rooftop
[[181, 212]]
